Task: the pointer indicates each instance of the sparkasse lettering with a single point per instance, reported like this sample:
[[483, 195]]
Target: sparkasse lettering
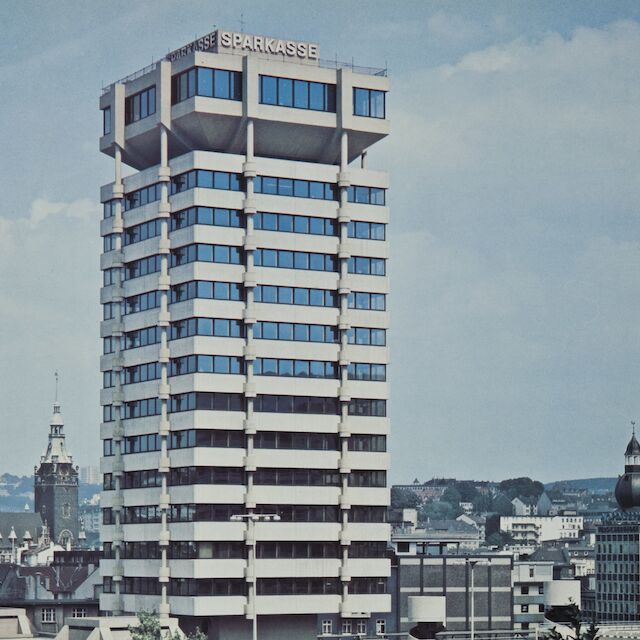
[[220, 41]]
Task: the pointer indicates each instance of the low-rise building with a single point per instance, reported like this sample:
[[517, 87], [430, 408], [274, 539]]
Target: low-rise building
[[583, 558], [15, 529], [435, 538], [68, 587], [479, 522], [539, 529], [525, 506], [537, 587], [431, 594]]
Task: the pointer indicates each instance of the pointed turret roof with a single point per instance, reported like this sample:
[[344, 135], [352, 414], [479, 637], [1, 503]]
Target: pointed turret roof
[[628, 486], [56, 451], [633, 448]]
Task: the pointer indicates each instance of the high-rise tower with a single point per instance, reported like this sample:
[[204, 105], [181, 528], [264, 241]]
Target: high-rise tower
[[56, 484], [244, 333]]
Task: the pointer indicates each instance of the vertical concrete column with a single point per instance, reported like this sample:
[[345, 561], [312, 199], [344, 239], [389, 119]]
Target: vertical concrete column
[[343, 362], [164, 284], [249, 171], [117, 336]]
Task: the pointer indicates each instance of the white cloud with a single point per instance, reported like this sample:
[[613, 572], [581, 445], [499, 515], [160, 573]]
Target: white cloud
[[50, 315], [79, 209], [516, 246]]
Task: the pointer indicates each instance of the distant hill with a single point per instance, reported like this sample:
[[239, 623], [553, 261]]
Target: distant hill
[[591, 484], [17, 491]]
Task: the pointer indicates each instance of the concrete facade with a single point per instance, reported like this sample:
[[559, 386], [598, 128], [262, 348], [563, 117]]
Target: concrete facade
[[618, 570], [537, 529], [536, 590], [434, 593], [332, 496]]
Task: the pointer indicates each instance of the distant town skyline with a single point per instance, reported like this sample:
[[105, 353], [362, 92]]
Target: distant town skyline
[[514, 249]]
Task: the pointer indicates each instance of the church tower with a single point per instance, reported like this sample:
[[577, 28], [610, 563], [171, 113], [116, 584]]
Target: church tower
[[628, 485], [56, 484]]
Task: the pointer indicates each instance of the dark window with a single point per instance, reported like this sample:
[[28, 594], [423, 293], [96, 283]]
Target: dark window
[[207, 82], [296, 404], [205, 179], [106, 121], [141, 197], [141, 232], [369, 103], [366, 195], [285, 259], [295, 295], [298, 188], [296, 368], [366, 230], [300, 94], [140, 105], [207, 216], [367, 301]]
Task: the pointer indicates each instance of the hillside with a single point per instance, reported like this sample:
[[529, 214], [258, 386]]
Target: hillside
[[590, 484], [17, 491]]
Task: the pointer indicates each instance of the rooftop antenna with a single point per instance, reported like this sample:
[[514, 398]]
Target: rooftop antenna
[[242, 22], [56, 376], [633, 427]]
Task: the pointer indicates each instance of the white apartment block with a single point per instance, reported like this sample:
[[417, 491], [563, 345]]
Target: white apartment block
[[535, 590], [533, 530], [244, 332]]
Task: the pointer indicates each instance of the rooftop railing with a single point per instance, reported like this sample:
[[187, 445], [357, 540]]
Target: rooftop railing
[[324, 64]]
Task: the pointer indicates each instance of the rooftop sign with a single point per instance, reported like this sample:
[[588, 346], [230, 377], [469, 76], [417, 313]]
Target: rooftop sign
[[233, 42]]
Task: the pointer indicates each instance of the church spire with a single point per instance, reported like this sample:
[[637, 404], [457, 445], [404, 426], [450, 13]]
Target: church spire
[[56, 449], [628, 486]]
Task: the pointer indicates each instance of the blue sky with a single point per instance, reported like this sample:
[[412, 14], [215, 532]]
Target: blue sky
[[515, 249]]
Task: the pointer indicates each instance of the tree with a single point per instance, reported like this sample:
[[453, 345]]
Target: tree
[[467, 491], [571, 616], [148, 628], [483, 503], [452, 496], [404, 498], [527, 487], [499, 539], [438, 510]]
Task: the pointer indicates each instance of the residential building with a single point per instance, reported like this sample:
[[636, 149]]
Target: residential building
[[583, 558], [502, 504], [467, 507], [537, 587], [432, 594], [244, 341], [91, 517], [477, 521], [435, 537], [525, 506], [544, 506], [15, 529], [66, 586], [538, 529], [56, 485]]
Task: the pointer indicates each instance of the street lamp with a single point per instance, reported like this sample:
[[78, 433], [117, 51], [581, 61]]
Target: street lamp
[[472, 608], [251, 519]]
